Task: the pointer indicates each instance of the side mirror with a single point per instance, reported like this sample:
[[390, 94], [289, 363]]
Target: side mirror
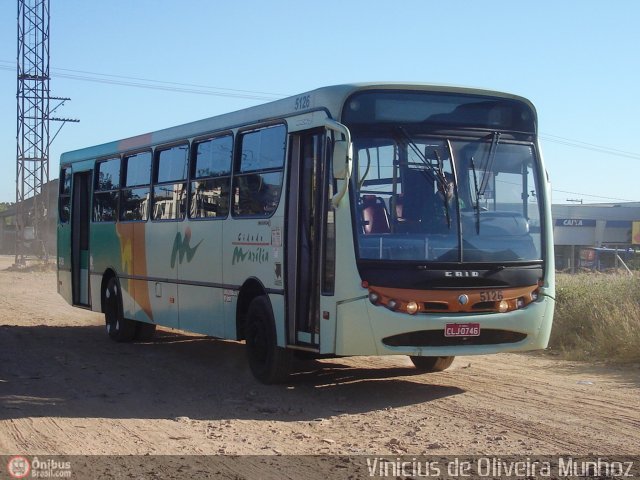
[[341, 159]]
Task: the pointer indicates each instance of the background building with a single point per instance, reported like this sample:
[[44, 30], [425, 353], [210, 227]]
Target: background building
[[607, 228], [49, 218]]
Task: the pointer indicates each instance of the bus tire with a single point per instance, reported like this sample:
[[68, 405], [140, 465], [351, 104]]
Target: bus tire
[[144, 331], [268, 362], [119, 328], [432, 364]]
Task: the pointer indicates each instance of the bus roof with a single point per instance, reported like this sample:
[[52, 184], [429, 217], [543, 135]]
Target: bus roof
[[329, 99]]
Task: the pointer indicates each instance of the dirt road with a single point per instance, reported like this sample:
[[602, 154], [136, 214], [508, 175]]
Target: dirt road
[[65, 388]]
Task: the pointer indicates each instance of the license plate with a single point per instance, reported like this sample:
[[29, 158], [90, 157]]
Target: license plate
[[462, 330]]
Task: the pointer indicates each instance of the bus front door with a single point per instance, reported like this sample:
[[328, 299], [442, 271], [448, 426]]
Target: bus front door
[[303, 238], [80, 238]]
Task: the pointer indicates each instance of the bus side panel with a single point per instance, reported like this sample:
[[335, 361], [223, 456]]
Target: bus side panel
[[140, 291], [159, 304], [354, 335], [112, 249], [348, 284], [197, 254], [277, 305], [95, 285], [202, 310], [542, 339], [64, 261], [105, 254], [252, 249], [64, 285]]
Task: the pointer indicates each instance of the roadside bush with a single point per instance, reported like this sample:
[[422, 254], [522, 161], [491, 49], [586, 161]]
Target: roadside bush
[[597, 317]]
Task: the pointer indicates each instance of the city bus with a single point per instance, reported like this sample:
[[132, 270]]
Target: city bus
[[360, 219]]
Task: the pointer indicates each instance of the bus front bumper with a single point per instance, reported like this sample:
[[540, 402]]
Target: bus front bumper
[[367, 329]]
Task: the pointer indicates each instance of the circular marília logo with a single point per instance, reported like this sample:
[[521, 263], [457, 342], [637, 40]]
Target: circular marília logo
[[463, 299]]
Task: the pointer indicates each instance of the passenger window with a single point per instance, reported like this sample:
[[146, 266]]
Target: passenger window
[[134, 205], [106, 193], [211, 176], [171, 164], [138, 169], [64, 201], [259, 172], [170, 183]]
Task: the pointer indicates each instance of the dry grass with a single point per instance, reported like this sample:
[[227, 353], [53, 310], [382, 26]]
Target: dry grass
[[597, 317]]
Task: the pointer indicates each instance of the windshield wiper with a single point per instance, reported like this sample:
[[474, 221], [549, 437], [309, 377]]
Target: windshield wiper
[[435, 174], [446, 191], [432, 173], [488, 166], [477, 195]]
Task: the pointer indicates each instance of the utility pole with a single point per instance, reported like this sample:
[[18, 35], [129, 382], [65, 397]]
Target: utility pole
[[33, 122]]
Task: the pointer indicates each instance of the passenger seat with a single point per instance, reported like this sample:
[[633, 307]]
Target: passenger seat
[[374, 215]]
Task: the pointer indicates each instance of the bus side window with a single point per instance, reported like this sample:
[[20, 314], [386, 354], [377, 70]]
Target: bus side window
[[170, 183], [106, 190], [134, 204], [211, 175], [258, 176], [64, 202]]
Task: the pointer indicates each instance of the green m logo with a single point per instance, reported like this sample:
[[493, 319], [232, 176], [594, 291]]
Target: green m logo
[[181, 248], [239, 255]]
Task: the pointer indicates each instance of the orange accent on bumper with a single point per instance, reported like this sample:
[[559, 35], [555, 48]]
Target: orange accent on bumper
[[447, 301]]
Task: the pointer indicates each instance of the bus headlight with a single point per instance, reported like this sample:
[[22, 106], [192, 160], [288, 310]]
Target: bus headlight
[[503, 306], [392, 305], [374, 297], [412, 308]]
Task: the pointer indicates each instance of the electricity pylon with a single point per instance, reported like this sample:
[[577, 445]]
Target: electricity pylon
[[34, 117]]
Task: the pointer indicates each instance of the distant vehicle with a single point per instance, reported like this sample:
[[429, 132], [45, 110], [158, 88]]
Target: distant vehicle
[[368, 219], [602, 259]]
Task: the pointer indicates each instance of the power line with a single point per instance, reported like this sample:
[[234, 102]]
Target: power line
[[505, 182], [588, 146], [179, 87], [253, 92], [594, 196], [156, 84]]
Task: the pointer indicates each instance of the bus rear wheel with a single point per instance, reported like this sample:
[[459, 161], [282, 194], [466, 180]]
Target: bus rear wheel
[[268, 362], [432, 364], [119, 328]]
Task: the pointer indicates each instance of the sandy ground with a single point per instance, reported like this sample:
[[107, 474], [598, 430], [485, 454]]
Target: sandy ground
[[65, 388]]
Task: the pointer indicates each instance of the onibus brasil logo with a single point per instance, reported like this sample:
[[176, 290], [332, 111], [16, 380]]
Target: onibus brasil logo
[[182, 249], [21, 467]]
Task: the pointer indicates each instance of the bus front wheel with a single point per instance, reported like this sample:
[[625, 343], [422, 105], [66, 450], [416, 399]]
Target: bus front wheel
[[268, 362], [432, 364], [119, 328]]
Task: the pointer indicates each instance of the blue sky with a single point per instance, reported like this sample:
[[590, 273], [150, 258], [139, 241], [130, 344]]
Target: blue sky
[[578, 61]]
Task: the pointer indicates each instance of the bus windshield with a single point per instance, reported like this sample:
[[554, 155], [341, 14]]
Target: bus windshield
[[424, 197]]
